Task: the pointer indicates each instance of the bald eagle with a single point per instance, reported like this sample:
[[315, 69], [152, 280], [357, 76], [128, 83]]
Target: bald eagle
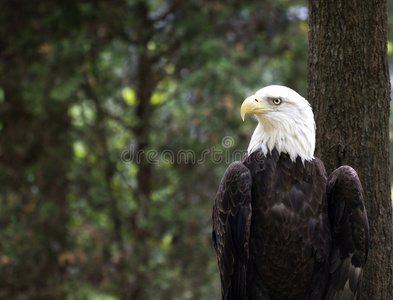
[[283, 229]]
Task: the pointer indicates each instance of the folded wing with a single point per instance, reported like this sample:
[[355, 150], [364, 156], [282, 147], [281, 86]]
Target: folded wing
[[350, 233], [231, 229]]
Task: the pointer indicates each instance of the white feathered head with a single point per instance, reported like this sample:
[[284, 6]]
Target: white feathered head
[[286, 122]]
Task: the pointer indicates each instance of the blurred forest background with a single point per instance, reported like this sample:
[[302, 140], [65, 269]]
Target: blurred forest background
[[117, 121]]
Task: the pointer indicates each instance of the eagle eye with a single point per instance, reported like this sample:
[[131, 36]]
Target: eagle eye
[[277, 101]]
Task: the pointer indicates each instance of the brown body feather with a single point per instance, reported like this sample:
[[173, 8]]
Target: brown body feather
[[283, 230]]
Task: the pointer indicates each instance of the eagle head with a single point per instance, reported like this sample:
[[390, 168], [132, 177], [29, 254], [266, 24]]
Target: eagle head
[[285, 122]]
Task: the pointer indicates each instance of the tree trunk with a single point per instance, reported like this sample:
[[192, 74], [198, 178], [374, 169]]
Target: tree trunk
[[348, 86]]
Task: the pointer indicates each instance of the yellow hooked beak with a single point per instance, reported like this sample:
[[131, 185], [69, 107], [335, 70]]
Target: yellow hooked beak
[[251, 105]]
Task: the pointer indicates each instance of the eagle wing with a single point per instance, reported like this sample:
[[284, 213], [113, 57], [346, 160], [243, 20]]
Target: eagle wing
[[231, 229], [350, 233]]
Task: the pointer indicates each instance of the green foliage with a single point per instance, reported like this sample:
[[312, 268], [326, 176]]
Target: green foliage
[[112, 131]]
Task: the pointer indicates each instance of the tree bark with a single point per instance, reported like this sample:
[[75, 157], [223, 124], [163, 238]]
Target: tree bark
[[349, 86]]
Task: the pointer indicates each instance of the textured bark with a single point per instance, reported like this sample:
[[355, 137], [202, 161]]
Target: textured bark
[[348, 86]]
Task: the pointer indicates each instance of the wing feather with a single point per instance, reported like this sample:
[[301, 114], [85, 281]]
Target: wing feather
[[350, 233], [231, 229]]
